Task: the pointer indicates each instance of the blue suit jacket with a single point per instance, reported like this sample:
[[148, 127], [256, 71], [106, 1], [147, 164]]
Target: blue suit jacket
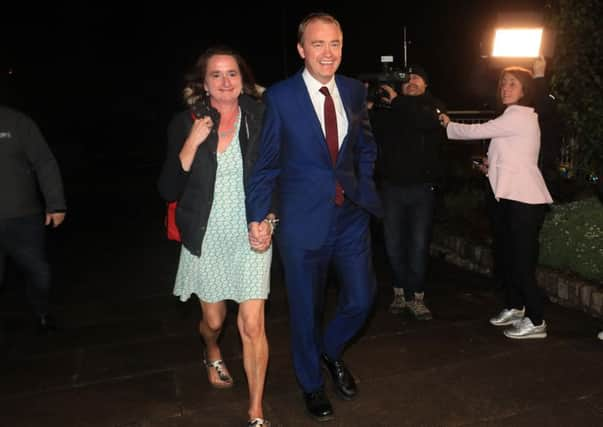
[[294, 170]]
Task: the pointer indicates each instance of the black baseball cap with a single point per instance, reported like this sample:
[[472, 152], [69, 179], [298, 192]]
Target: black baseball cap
[[419, 71]]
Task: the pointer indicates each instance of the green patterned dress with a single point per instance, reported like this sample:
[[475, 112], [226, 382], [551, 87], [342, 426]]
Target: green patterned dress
[[228, 268]]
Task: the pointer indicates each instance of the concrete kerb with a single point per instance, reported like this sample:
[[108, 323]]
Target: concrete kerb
[[561, 287]]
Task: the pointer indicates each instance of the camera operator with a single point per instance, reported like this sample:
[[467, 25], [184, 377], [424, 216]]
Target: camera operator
[[409, 136]]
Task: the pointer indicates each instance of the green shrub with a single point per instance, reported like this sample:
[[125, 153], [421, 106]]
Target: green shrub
[[572, 238], [462, 202], [462, 211], [578, 52], [463, 198]]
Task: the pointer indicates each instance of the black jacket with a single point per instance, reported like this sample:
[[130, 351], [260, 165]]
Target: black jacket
[[27, 168], [194, 190], [409, 136]]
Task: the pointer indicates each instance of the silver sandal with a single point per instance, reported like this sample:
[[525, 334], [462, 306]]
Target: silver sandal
[[219, 366]]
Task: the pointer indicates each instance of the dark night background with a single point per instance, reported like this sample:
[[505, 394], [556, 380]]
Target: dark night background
[[104, 81]]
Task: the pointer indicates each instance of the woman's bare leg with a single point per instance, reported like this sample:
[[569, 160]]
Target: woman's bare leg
[[255, 352], [210, 328]]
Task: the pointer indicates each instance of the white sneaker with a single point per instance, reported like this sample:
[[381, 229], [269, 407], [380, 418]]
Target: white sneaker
[[398, 304], [524, 328], [418, 308], [600, 335], [508, 316]]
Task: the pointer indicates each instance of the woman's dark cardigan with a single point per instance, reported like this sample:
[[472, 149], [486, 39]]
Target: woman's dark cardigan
[[194, 190]]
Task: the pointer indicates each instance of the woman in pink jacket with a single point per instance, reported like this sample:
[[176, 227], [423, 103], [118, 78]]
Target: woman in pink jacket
[[522, 196]]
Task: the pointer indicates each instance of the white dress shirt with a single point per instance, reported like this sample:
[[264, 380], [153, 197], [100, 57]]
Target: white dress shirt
[[318, 101]]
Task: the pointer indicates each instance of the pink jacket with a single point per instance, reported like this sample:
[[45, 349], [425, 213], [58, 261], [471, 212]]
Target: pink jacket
[[513, 154]]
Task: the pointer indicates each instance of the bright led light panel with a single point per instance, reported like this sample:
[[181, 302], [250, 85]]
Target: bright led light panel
[[517, 43]]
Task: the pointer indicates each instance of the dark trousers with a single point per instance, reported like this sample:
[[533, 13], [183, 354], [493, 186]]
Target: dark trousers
[[516, 229], [407, 224], [348, 248], [498, 236], [23, 240]]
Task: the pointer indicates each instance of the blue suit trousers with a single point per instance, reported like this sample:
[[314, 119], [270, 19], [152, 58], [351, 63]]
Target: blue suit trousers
[[348, 248]]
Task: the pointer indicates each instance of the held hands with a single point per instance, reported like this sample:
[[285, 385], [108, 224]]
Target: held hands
[[260, 235], [55, 219], [444, 119]]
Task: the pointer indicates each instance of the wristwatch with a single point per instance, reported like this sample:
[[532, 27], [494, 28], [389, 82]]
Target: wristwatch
[[273, 223]]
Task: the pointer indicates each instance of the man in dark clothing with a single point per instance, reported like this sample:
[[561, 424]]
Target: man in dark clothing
[[410, 138], [27, 169]]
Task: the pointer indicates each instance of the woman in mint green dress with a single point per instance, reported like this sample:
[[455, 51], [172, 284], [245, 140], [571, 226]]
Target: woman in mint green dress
[[210, 154]]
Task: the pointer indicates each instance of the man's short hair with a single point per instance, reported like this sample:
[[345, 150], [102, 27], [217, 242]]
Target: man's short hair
[[316, 16]]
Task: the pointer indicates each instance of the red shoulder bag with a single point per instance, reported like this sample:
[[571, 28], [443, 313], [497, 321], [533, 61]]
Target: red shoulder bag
[[170, 222]]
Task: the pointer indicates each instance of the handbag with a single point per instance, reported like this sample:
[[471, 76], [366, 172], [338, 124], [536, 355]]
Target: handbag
[[172, 231]]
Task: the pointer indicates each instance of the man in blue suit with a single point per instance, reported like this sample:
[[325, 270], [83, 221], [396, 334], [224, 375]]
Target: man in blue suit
[[315, 162]]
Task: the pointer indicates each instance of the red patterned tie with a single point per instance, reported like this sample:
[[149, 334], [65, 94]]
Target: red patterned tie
[[332, 137]]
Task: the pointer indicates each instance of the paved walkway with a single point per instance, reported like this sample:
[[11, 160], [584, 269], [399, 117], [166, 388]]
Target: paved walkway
[[127, 353]]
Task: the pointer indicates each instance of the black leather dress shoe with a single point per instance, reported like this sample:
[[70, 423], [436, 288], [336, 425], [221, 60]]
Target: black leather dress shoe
[[345, 385], [318, 405]]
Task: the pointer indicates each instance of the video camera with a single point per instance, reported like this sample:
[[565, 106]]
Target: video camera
[[389, 76]]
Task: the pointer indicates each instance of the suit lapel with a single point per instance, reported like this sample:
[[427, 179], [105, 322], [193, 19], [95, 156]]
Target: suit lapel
[[307, 110], [346, 98]]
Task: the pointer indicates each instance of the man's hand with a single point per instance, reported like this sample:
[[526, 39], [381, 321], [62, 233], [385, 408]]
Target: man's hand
[[391, 94], [260, 235], [55, 218]]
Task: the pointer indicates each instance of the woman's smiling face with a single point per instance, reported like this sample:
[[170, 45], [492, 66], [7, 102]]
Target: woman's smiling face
[[511, 90]]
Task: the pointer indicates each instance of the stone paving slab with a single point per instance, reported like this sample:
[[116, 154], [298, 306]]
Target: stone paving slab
[[112, 403], [563, 414], [32, 375]]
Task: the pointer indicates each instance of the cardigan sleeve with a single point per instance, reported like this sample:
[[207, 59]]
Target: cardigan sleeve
[[172, 179]]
